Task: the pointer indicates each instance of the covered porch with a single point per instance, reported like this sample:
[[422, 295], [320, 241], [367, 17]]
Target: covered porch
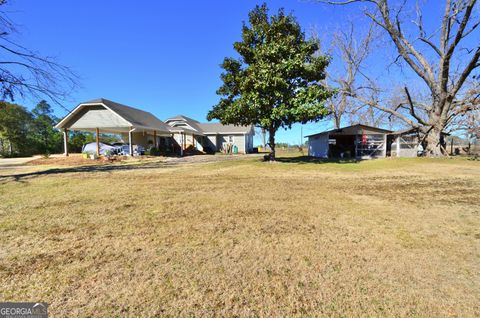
[[185, 139]]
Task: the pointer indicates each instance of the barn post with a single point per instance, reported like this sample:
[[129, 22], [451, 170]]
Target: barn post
[[97, 139], [328, 146], [398, 145], [65, 141], [384, 145], [356, 145]]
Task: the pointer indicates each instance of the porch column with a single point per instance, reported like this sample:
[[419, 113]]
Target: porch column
[[182, 137], [65, 141], [130, 146], [97, 139], [155, 139]]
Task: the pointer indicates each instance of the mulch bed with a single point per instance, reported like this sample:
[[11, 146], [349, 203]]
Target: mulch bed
[[73, 160]]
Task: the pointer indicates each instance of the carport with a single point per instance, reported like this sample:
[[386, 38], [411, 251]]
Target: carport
[[104, 116]]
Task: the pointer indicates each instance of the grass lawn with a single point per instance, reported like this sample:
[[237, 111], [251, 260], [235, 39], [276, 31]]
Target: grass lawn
[[246, 238]]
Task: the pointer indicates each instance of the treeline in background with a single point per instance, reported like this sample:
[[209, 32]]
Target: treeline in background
[[26, 133]]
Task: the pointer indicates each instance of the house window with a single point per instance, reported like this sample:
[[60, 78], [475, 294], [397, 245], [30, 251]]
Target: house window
[[230, 139]]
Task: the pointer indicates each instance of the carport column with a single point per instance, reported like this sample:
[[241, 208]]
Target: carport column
[[97, 139], [155, 139], [130, 146], [65, 141]]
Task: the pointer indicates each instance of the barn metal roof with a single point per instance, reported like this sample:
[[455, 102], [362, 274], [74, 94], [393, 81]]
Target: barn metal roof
[[352, 127]]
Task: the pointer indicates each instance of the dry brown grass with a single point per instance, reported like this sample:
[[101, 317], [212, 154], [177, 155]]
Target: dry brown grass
[[246, 238]]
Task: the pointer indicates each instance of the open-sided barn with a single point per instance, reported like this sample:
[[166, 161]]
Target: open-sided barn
[[363, 142]]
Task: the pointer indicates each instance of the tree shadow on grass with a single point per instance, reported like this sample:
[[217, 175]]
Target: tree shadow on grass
[[307, 159], [86, 169]]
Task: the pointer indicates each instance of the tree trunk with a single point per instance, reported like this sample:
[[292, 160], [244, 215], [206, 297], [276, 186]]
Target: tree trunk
[[337, 121], [434, 142], [271, 143]]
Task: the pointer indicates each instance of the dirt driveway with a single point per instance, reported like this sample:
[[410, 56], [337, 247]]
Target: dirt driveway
[[19, 168], [11, 162], [208, 158]]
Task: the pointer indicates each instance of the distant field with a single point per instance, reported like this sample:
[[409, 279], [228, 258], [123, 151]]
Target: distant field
[[245, 238]]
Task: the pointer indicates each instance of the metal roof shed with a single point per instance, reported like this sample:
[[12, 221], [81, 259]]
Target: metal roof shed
[[357, 141], [111, 117]]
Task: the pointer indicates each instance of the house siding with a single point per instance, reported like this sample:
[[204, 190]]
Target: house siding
[[238, 140], [139, 138]]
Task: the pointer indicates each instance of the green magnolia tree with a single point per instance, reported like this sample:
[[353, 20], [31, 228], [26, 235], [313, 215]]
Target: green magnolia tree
[[277, 81]]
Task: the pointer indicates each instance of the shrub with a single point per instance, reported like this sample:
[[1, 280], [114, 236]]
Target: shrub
[[154, 151]]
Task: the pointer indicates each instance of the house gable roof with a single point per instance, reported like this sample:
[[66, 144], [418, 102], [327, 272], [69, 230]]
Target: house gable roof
[[135, 117], [207, 128], [182, 118], [194, 124], [218, 128]]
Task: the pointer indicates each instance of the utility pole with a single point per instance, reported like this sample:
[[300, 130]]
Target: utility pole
[[301, 135]]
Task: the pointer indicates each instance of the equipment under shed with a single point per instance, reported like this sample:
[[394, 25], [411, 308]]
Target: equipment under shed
[[362, 142]]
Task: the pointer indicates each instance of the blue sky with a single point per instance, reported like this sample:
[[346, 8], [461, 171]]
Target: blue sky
[[160, 56]]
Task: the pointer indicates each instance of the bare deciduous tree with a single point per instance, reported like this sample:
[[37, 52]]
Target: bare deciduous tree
[[466, 115], [24, 72], [353, 54], [444, 69]]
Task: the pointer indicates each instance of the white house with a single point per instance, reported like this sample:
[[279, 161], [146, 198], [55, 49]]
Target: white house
[[210, 137], [138, 127]]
